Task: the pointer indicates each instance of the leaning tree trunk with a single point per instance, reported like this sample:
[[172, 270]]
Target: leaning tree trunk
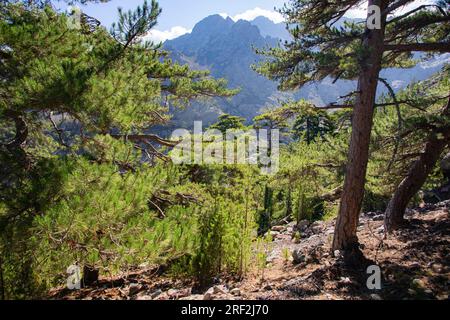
[[345, 237], [416, 177]]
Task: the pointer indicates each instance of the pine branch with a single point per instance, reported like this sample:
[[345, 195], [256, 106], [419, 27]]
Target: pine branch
[[423, 47], [395, 6], [143, 138]]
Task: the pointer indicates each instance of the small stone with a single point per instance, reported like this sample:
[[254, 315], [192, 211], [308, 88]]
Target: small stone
[[220, 289], [375, 296], [163, 296], [316, 227], [172, 293], [345, 280], [216, 290], [274, 233], [302, 225], [412, 292], [436, 267], [337, 253], [418, 283], [144, 298], [207, 296], [193, 297], [283, 237], [278, 228], [134, 288], [268, 288], [292, 224], [298, 256], [442, 297], [271, 258], [317, 224], [155, 294], [379, 217], [236, 292]]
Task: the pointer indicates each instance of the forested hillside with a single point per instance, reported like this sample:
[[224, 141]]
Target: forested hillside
[[93, 206], [227, 49]]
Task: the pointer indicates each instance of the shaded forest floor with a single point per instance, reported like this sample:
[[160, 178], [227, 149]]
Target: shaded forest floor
[[414, 263]]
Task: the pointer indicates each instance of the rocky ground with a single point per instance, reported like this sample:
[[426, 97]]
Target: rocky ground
[[415, 264]]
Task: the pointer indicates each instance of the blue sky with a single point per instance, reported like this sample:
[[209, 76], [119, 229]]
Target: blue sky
[[179, 16]]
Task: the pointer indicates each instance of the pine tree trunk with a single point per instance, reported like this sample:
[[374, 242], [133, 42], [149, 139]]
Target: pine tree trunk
[[416, 177], [345, 237]]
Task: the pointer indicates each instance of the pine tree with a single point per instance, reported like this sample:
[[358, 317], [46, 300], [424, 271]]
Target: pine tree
[[228, 122], [75, 105], [425, 136], [355, 51]]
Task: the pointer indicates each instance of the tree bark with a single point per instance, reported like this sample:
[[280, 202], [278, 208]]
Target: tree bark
[[345, 237], [15, 146], [416, 177]]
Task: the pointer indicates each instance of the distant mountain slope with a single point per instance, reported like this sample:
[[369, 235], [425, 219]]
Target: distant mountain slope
[[271, 29], [226, 48]]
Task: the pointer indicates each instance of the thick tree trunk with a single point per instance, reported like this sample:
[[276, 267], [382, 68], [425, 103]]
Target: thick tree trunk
[[416, 177], [345, 237]]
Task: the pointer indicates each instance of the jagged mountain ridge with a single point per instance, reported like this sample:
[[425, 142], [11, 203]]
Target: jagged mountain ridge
[[226, 48]]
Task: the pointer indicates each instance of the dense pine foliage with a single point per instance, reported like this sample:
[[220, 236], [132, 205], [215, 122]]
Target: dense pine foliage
[[83, 182]]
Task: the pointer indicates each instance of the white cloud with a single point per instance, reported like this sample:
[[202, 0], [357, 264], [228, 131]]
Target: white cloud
[[251, 14], [361, 11], [161, 36]]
